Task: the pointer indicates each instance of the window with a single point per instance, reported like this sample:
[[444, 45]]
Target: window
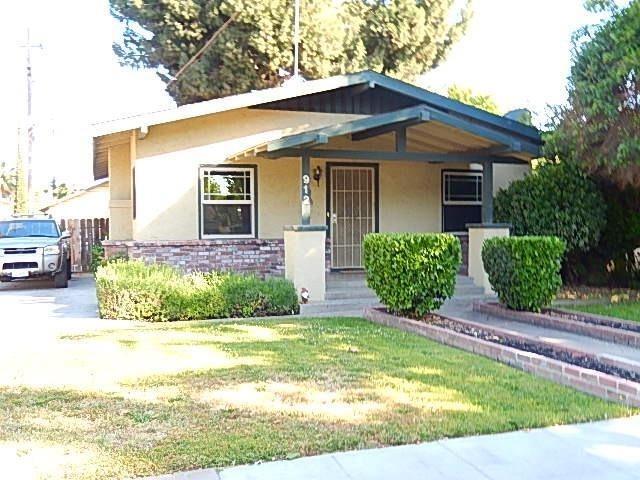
[[462, 188], [227, 202]]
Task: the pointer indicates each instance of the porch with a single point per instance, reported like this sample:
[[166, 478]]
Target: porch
[[419, 144]]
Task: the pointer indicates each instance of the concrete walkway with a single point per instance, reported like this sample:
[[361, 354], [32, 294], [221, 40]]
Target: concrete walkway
[[593, 451], [571, 340]]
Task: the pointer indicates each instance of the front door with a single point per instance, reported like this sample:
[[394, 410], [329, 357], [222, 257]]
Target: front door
[[351, 212]]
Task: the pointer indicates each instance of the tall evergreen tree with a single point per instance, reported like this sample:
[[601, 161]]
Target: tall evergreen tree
[[599, 127], [401, 38]]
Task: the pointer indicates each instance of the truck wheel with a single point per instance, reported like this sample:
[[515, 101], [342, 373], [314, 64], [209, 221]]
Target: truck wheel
[[61, 279], [69, 269]]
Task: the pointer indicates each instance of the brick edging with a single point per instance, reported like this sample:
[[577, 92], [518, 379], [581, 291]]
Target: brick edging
[[602, 320], [601, 332], [586, 380]]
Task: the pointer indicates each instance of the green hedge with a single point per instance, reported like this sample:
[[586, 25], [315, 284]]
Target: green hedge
[[131, 290], [524, 271], [555, 199], [412, 274]]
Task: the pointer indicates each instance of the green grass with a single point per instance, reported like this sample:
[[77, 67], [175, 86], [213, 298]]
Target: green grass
[[163, 398], [626, 310]]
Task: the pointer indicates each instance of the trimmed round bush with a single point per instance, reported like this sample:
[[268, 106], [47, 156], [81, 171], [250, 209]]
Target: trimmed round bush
[[412, 273], [133, 290], [524, 271], [556, 199]]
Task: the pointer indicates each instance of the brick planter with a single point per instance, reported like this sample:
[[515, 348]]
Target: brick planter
[[601, 332], [593, 382]]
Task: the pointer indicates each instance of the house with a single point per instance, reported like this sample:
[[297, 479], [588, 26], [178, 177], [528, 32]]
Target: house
[[6, 207], [288, 180], [91, 202]]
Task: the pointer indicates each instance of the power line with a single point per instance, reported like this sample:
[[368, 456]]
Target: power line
[[197, 56]]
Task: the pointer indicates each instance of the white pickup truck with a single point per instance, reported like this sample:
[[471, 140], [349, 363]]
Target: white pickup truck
[[34, 247]]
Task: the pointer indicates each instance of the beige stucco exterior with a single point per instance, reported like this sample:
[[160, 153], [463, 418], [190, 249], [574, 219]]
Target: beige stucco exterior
[[477, 236], [168, 158], [304, 259], [90, 203]]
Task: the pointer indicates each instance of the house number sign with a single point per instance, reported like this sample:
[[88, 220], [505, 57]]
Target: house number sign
[[306, 190]]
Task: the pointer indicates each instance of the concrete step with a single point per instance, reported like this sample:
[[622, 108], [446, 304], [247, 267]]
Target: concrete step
[[346, 293], [468, 290], [344, 305]]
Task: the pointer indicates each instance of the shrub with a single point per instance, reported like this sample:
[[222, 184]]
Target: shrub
[[412, 274], [97, 257], [556, 199], [132, 290], [524, 271]]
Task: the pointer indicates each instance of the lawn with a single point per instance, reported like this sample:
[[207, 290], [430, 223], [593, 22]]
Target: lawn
[[161, 398], [624, 310]]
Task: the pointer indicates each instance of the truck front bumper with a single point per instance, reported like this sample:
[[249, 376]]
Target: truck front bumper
[[27, 265]]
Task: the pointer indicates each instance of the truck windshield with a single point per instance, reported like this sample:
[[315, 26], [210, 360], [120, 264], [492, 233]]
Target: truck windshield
[[28, 228]]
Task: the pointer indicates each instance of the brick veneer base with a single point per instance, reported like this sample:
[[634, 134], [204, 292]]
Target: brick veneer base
[[601, 332], [257, 256], [464, 245], [263, 257], [586, 380]]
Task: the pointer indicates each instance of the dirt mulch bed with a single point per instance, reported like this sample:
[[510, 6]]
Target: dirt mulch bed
[[529, 344]]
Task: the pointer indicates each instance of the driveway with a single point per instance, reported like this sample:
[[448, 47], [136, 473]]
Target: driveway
[[35, 316]]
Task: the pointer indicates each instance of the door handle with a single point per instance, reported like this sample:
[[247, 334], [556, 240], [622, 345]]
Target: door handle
[[334, 218]]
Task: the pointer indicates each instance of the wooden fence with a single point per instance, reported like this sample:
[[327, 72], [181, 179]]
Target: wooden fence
[[85, 233]]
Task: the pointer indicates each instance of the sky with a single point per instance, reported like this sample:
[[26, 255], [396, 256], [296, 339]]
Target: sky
[[517, 51]]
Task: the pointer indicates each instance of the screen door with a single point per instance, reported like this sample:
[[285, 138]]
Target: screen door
[[352, 207]]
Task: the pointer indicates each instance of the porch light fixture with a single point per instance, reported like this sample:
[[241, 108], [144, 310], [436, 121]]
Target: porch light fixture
[[317, 174]]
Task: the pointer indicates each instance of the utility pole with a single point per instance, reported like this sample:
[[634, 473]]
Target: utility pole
[[30, 134], [296, 38]]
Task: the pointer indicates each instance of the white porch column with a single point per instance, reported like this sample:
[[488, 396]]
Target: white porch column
[[304, 259], [478, 233]]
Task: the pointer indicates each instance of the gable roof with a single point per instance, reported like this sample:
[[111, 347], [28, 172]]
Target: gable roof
[[291, 91]]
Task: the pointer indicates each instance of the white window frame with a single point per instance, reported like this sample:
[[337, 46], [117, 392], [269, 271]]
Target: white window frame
[[203, 202], [458, 174]]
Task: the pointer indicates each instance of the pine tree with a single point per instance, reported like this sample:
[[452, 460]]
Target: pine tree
[[401, 38]]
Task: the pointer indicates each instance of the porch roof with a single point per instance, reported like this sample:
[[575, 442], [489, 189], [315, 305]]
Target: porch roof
[[420, 133]]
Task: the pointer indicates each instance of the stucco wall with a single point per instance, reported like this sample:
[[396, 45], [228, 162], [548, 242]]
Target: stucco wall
[[120, 207], [89, 204], [168, 161], [167, 166], [503, 175]]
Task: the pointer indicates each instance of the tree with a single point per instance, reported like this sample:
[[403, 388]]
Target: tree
[[57, 190], [7, 180], [402, 38], [555, 199], [599, 127], [466, 95]]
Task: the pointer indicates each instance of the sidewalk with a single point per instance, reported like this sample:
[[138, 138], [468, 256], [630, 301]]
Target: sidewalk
[[594, 451]]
